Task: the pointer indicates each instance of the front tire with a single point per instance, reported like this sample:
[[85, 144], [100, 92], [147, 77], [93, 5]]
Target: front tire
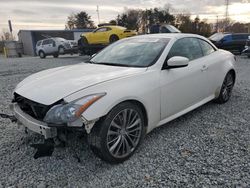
[[55, 55], [226, 88], [117, 136], [42, 55], [61, 50]]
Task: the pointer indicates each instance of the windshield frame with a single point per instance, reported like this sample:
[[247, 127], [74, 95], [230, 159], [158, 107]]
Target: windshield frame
[[166, 41]]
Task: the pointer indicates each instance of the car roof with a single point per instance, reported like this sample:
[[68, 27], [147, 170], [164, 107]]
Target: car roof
[[113, 26]]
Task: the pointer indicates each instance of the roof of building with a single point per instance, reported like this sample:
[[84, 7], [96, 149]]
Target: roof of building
[[57, 30]]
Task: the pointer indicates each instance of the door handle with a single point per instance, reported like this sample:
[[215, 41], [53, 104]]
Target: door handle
[[204, 68]]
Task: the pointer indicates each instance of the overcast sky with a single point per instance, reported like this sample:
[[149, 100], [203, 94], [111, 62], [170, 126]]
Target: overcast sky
[[52, 14]]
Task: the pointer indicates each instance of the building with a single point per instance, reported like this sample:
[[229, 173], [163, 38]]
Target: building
[[29, 38]]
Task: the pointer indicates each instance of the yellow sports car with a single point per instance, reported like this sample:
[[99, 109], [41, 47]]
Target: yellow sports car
[[106, 34]]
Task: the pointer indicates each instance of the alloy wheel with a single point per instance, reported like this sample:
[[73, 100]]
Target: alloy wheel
[[124, 133], [227, 87]]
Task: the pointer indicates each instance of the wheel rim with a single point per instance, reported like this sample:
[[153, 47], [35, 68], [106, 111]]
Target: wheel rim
[[227, 87], [124, 133], [41, 54], [113, 39]]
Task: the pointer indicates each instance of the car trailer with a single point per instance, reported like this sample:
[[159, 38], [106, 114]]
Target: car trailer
[[90, 49]]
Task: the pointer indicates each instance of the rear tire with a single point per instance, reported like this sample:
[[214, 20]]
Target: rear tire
[[117, 136], [55, 55], [226, 88], [61, 50], [113, 38], [42, 55]]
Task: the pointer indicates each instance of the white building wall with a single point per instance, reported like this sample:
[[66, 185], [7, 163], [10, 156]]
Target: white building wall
[[26, 38]]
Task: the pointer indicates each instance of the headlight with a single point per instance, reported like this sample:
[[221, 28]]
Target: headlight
[[67, 113]]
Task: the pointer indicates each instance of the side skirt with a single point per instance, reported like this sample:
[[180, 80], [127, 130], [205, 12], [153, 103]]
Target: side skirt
[[168, 119]]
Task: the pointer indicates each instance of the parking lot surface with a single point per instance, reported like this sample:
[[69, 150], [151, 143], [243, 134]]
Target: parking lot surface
[[209, 146]]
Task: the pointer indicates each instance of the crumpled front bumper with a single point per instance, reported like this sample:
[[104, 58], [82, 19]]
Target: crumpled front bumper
[[33, 124]]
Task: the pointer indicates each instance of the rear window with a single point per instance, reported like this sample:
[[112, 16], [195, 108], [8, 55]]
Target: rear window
[[218, 36], [47, 41], [206, 47]]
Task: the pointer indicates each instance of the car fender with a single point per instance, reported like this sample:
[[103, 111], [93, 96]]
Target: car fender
[[144, 90], [227, 65]]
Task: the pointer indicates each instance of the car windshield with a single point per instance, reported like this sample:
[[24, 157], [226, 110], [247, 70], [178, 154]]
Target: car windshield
[[217, 36], [61, 39], [136, 52]]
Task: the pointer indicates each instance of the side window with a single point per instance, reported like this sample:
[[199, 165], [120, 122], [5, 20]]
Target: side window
[[239, 37], [50, 41], [227, 38], [101, 30], [45, 42], [164, 30], [206, 47], [39, 43], [186, 47]]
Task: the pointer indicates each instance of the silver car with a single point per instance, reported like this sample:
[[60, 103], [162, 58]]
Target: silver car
[[53, 46]]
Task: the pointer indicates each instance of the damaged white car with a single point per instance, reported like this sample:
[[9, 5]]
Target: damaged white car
[[126, 90]]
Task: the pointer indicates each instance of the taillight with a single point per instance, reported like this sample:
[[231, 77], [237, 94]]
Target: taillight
[[127, 31]]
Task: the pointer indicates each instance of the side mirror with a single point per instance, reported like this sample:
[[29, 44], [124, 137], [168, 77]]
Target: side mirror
[[177, 62]]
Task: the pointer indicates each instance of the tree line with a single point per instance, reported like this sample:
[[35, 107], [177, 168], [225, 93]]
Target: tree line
[[142, 20]]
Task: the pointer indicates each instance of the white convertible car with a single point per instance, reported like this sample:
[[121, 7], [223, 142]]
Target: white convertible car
[[126, 90]]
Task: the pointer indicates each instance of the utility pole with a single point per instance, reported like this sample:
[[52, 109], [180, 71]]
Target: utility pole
[[97, 10], [11, 30], [217, 24], [226, 14], [227, 5]]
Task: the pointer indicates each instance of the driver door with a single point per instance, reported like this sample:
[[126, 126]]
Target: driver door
[[183, 87], [99, 35]]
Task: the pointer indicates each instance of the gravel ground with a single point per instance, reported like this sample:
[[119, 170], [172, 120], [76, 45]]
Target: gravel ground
[[208, 147]]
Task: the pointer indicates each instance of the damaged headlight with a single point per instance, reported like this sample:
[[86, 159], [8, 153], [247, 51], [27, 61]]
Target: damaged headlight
[[67, 113]]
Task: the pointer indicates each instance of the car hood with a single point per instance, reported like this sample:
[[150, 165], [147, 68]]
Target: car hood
[[50, 86]]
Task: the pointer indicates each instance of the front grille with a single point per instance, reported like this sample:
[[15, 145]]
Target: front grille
[[34, 109]]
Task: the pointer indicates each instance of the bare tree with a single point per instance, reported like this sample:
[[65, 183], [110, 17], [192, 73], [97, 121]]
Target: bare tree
[[71, 22], [6, 36]]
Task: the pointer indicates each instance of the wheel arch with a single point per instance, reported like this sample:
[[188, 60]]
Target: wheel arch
[[60, 46], [133, 101], [234, 74], [142, 107], [40, 51]]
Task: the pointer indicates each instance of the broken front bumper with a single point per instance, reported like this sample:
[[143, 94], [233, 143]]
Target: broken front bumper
[[33, 124]]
